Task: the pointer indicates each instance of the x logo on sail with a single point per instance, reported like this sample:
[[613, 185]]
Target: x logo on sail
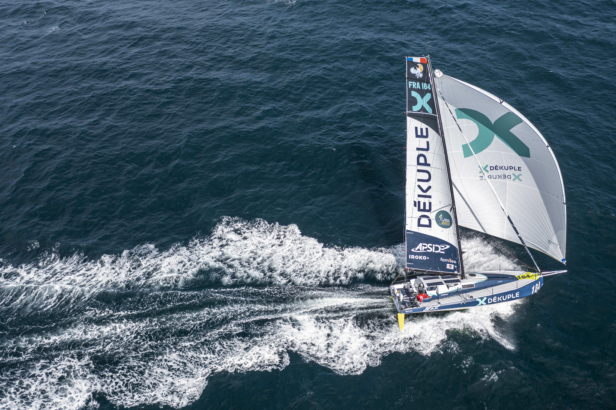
[[487, 130], [421, 102], [517, 177]]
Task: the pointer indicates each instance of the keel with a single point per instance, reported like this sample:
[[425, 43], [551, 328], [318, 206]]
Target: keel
[[401, 321]]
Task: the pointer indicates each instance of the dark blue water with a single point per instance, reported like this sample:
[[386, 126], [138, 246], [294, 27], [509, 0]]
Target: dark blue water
[[201, 205]]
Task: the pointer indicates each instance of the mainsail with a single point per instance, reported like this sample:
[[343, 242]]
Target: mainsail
[[513, 156], [431, 231]]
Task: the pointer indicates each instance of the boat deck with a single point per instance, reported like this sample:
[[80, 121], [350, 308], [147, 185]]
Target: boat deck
[[488, 292]]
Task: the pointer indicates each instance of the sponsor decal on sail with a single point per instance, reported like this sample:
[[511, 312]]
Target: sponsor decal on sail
[[443, 219], [515, 173], [427, 252], [488, 168], [429, 247], [501, 128], [422, 102], [424, 199]]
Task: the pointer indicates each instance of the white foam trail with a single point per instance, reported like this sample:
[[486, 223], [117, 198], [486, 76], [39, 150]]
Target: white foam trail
[[237, 251], [137, 357], [173, 370]]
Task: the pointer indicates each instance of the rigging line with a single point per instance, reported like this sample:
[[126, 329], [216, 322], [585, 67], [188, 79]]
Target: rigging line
[[548, 277], [554, 273], [504, 248], [490, 184], [392, 282]]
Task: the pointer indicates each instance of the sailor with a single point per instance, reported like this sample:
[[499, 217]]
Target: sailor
[[421, 294]]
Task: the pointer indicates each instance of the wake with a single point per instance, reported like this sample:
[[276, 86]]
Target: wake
[[150, 326]]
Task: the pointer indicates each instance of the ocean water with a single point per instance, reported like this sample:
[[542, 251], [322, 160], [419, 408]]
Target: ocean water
[[201, 205]]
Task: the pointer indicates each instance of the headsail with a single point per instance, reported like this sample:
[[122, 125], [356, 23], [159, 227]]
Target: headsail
[[431, 238], [515, 158]]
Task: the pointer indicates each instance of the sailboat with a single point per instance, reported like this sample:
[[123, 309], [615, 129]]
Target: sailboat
[[472, 161]]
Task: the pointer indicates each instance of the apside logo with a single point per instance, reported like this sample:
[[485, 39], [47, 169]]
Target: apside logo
[[429, 247]]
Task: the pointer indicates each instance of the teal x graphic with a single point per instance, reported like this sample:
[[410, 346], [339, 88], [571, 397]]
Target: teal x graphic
[[421, 102], [501, 128], [517, 177], [481, 301]]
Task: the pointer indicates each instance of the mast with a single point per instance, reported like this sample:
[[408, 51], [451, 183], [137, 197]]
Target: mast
[[440, 130]]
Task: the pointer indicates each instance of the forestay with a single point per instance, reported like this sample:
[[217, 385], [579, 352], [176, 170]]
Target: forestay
[[431, 239], [515, 158]]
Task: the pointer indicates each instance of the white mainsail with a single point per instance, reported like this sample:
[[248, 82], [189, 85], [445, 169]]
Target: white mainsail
[[515, 158], [431, 232]]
